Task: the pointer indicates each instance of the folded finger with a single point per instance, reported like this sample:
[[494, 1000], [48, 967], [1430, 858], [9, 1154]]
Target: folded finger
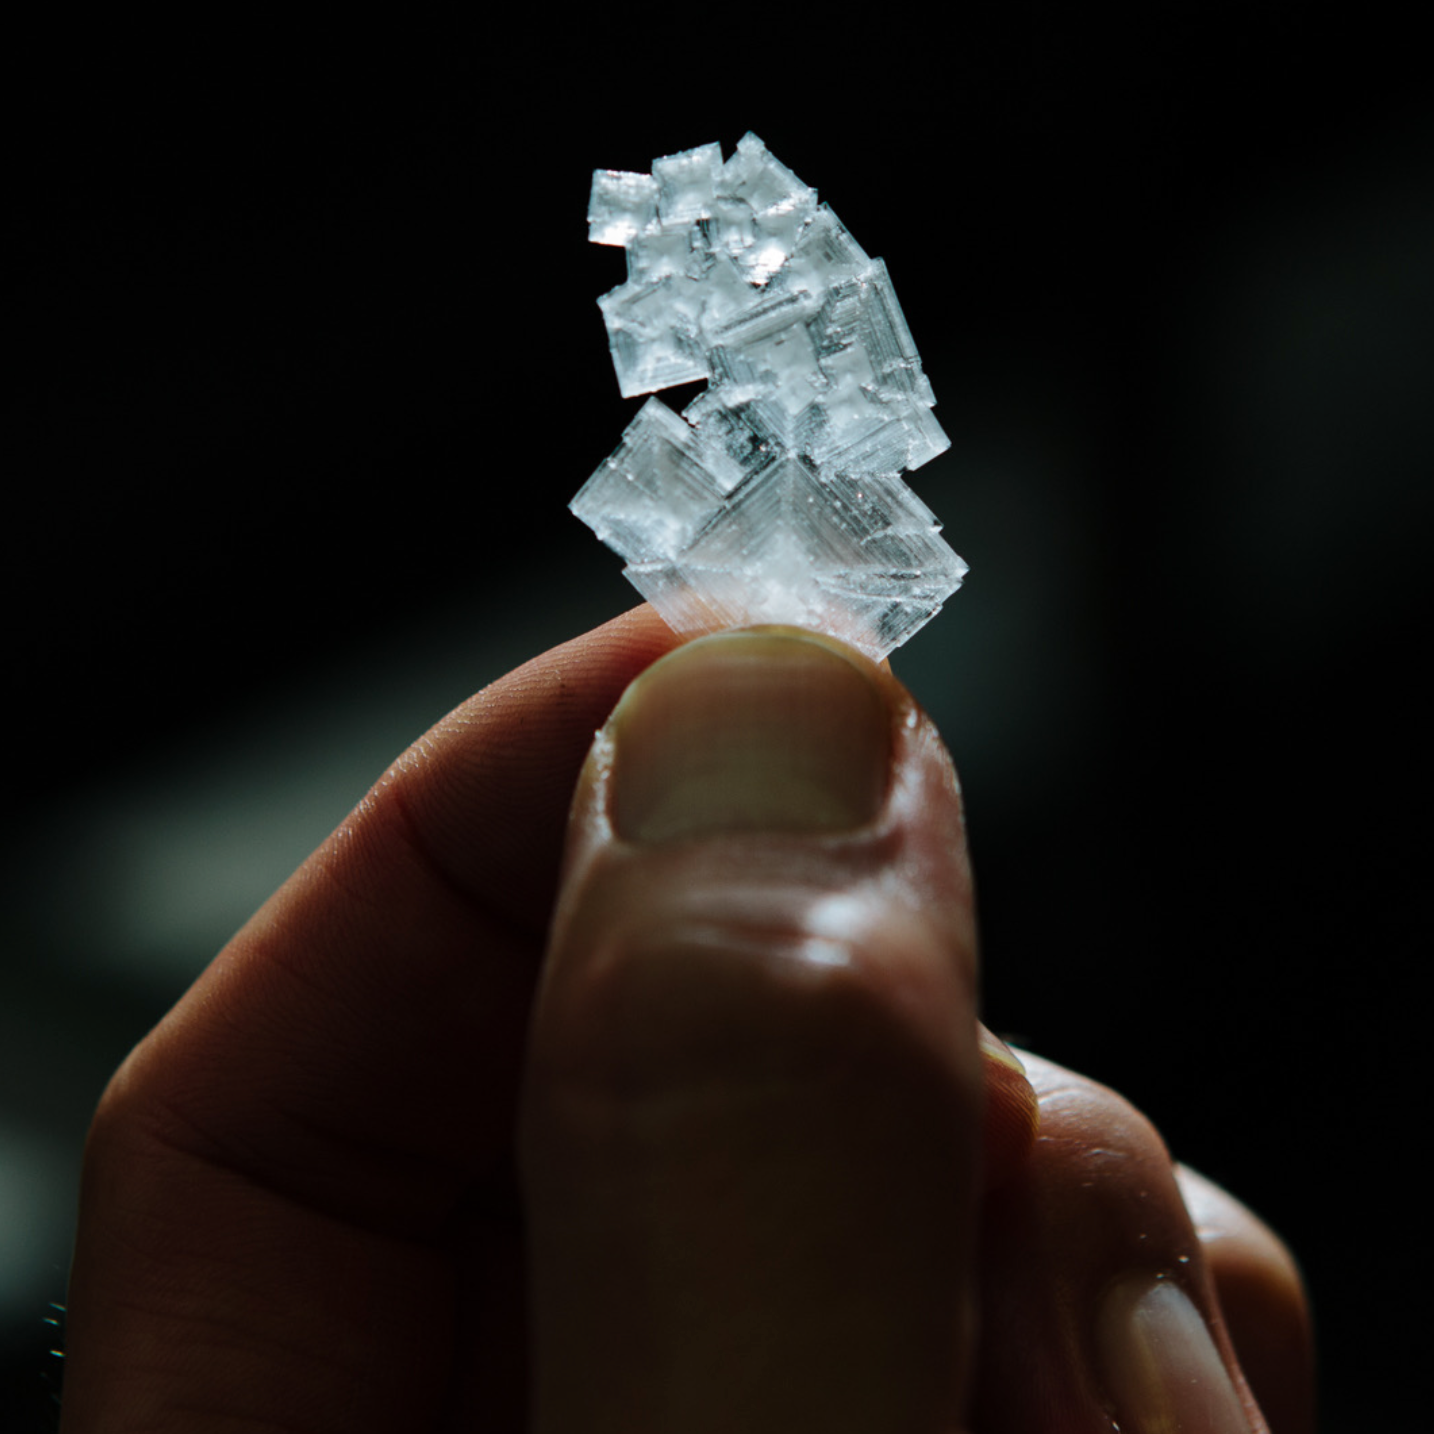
[[1262, 1297], [1097, 1306]]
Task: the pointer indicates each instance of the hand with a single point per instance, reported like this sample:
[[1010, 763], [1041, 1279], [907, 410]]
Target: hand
[[770, 1169]]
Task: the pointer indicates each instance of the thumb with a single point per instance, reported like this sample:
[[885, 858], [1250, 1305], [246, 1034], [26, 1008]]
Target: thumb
[[752, 1113]]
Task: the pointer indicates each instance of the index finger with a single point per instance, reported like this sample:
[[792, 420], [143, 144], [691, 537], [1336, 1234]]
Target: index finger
[[398, 960], [281, 1172]]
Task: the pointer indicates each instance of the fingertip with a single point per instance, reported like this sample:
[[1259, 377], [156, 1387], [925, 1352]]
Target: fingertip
[[1012, 1109], [760, 734], [764, 730]]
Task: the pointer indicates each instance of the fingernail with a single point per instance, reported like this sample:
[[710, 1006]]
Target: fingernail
[[997, 1050], [750, 731], [1161, 1366]]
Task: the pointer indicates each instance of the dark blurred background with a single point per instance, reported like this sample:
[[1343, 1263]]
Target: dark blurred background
[[306, 364]]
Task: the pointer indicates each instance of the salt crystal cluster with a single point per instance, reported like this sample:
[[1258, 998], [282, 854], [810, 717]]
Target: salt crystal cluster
[[776, 497]]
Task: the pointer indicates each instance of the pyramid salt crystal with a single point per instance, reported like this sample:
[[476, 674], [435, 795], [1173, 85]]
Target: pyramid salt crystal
[[777, 496]]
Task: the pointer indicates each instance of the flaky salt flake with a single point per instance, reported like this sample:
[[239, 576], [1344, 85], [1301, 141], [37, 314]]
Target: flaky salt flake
[[776, 497]]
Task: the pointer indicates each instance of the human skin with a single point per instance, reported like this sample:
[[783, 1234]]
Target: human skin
[[673, 1116]]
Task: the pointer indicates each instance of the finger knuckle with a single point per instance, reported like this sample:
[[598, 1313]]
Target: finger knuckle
[[825, 993]]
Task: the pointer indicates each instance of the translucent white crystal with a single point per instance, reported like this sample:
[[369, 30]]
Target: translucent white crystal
[[687, 185], [622, 206], [777, 496]]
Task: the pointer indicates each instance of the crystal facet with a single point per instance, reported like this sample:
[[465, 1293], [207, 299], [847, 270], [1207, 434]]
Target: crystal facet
[[776, 497]]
